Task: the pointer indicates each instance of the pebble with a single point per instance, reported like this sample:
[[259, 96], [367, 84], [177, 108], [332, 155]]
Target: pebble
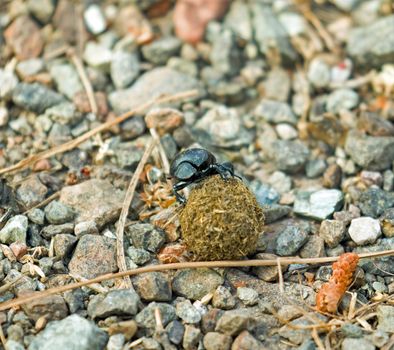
[[332, 177], [387, 222], [41, 9], [351, 330], [102, 206], [138, 255], [319, 73], [275, 212], [223, 299], [66, 79], [194, 284], [146, 317], [94, 19], [175, 331], [268, 273], [372, 45], [289, 312], [30, 67], [277, 87], [217, 341], [379, 338], [385, 314], [58, 213], [290, 240], [318, 205], [248, 296], [232, 322], [374, 201], [8, 82], [357, 343], [191, 337], [24, 37], [14, 230], [35, 97], [50, 231], [36, 216], [150, 85], [281, 182], [388, 180], [146, 236], [314, 247], [126, 328], [94, 255], [153, 286], [13, 345], [116, 342], [187, 312], [275, 112], [245, 340], [125, 68], [119, 302], [160, 50], [369, 152], [86, 228], [265, 194], [379, 287], [333, 232], [315, 167], [52, 307], [97, 56], [63, 244], [73, 332], [364, 230], [4, 116], [238, 18], [289, 156], [342, 100], [286, 131]]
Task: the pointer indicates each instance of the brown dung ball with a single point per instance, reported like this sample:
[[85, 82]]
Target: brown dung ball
[[221, 220]]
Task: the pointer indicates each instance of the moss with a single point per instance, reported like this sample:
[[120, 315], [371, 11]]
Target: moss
[[221, 220]]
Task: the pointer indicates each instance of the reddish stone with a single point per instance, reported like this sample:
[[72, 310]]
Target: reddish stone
[[164, 120], [82, 102]]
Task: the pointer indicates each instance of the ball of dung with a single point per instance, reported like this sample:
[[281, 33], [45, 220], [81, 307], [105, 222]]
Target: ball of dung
[[221, 220]]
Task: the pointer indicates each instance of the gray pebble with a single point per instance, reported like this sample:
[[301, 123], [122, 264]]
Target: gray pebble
[[146, 236], [58, 213], [14, 230], [290, 240]]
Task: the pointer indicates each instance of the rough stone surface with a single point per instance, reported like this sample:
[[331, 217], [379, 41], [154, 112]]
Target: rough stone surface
[[14, 230], [332, 231], [58, 213], [386, 318], [187, 312], [223, 299], [71, 333], [357, 343], [93, 256], [146, 318], [364, 230], [153, 286], [53, 307], [290, 240], [63, 243], [234, 321], [275, 112], [217, 341], [31, 192], [146, 236], [289, 156]]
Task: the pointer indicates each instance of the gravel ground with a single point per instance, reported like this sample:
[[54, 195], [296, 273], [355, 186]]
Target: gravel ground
[[299, 96]]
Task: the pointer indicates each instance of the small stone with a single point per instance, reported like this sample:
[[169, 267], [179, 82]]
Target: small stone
[[248, 296], [234, 321], [277, 87], [319, 73], [52, 307], [246, 341], [191, 338], [14, 230], [370, 152], [385, 315], [138, 255], [116, 342], [265, 194], [97, 56], [36, 215], [73, 332], [13, 345], [75, 300], [371, 178], [164, 120], [125, 68], [286, 131], [30, 67], [357, 343], [146, 318], [332, 231], [387, 223], [274, 212], [63, 244], [175, 331], [364, 230], [289, 156], [35, 97], [238, 18], [196, 283], [41, 9], [268, 273], [337, 251], [120, 302], [4, 117], [217, 341], [379, 287], [290, 240], [332, 177], [94, 19], [388, 180], [318, 205], [281, 182], [379, 338], [31, 192], [146, 236], [187, 312], [8, 82], [50, 231], [342, 100], [315, 167], [153, 286], [223, 299], [347, 215], [374, 125], [86, 228], [66, 79], [93, 256], [126, 328], [374, 201], [24, 37], [58, 213], [313, 248], [275, 112], [351, 330], [159, 51], [289, 312]]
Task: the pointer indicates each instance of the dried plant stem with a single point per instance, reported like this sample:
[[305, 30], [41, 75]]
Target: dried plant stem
[[280, 275], [2, 337], [125, 210], [316, 339], [183, 265], [162, 152], [84, 79], [105, 126]]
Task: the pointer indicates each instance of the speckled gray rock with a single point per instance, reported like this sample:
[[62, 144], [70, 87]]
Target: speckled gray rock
[[66, 79], [41, 9], [153, 286], [58, 213], [191, 338], [36, 215], [318, 205], [290, 240], [125, 67], [370, 152], [35, 97], [146, 318], [31, 192], [223, 299], [159, 51], [357, 343], [374, 201], [64, 113], [50, 231], [268, 273], [234, 321], [121, 302], [194, 284], [187, 312], [94, 255], [372, 45], [217, 341], [8, 82], [248, 296], [97, 55], [63, 244], [265, 194], [289, 156], [341, 100], [315, 168], [86, 228], [14, 230], [71, 333], [275, 112], [138, 255], [275, 212], [364, 230], [150, 85], [385, 315], [319, 73], [332, 231], [146, 236], [238, 19]]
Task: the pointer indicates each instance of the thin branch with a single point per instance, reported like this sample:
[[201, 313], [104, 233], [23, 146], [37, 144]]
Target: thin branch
[[183, 265], [125, 210], [280, 274], [162, 152], [2, 337], [105, 126]]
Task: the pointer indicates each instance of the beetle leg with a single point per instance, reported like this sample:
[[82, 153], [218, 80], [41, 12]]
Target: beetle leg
[[177, 187], [224, 169]]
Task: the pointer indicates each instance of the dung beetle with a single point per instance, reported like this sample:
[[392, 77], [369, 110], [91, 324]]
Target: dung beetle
[[194, 165]]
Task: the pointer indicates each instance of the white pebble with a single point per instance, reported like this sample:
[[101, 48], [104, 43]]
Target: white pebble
[[94, 19], [364, 230]]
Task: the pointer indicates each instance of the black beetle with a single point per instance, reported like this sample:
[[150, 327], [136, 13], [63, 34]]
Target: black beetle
[[194, 165]]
